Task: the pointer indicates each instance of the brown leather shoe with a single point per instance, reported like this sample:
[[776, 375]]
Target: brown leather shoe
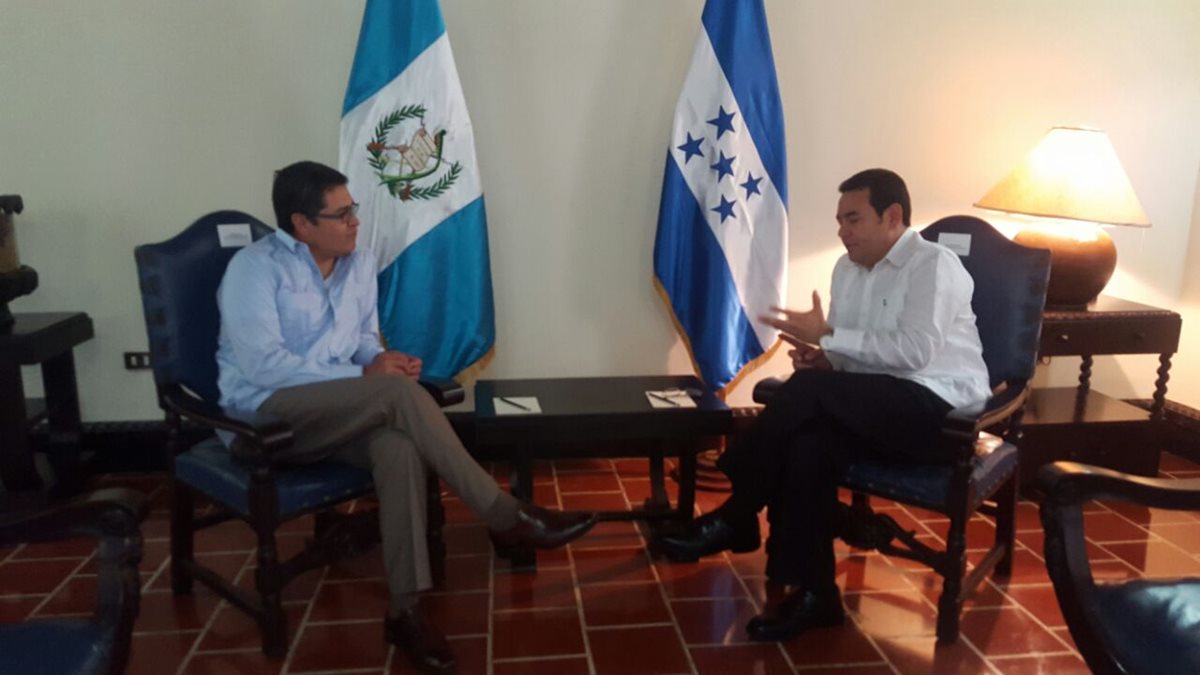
[[543, 528], [425, 646]]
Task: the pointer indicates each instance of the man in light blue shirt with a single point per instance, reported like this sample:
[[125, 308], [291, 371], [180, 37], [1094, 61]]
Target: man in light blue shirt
[[300, 340]]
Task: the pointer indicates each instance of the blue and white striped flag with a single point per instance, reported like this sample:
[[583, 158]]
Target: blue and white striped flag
[[409, 152], [720, 256]]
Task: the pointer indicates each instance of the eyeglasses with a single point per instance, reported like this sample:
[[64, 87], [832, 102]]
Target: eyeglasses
[[344, 215]]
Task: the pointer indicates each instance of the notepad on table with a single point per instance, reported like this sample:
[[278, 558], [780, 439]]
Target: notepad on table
[[670, 398], [516, 405]]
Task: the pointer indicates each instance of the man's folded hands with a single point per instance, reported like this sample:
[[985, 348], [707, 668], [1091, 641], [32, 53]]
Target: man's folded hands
[[394, 363]]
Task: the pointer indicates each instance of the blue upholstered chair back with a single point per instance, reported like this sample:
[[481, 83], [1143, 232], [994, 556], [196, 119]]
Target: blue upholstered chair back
[[179, 279], [1010, 292]]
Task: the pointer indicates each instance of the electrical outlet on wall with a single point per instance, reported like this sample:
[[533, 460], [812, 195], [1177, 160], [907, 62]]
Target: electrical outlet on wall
[[137, 360]]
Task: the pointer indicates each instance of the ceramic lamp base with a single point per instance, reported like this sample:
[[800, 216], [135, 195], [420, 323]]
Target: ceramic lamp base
[[1082, 260], [12, 286]]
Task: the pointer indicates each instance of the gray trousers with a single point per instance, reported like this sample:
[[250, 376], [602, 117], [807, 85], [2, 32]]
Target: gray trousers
[[390, 425]]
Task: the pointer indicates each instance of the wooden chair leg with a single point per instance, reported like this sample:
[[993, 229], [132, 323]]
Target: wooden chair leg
[[950, 604], [687, 484], [435, 521], [268, 584], [182, 533], [860, 499], [1006, 518]]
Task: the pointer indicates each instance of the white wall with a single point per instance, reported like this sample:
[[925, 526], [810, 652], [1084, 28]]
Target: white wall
[[122, 121], [1184, 385]]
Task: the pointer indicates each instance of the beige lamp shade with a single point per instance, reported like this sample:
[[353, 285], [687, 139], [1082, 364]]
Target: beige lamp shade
[[1072, 174]]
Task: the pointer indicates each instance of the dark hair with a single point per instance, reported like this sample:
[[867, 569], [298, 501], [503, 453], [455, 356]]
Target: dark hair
[[300, 188], [884, 188]]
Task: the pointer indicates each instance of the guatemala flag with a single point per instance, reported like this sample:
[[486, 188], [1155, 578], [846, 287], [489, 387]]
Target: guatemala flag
[[720, 256], [408, 150]]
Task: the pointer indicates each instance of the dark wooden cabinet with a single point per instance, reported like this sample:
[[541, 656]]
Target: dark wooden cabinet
[[1080, 424], [46, 338]]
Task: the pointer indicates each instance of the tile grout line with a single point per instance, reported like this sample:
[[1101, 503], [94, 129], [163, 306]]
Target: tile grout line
[[221, 604], [758, 609], [61, 585], [992, 662], [578, 592], [489, 639], [302, 625], [662, 591]]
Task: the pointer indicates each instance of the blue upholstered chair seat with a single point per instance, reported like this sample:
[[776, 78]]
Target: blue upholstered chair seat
[[59, 646], [928, 485], [209, 468], [1153, 625]]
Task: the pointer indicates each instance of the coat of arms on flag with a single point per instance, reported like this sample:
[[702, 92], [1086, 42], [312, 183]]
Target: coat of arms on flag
[[720, 254], [409, 152], [402, 166]]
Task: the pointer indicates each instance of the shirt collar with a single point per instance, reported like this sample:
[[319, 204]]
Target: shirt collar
[[287, 240], [299, 248], [903, 249]]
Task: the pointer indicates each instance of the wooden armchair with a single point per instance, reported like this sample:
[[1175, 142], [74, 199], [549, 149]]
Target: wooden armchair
[[100, 643], [179, 279], [1010, 291], [1139, 626]]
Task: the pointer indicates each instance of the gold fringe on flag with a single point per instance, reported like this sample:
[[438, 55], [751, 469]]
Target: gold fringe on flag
[[745, 370]]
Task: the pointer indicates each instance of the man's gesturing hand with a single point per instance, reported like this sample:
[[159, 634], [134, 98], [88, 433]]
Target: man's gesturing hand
[[807, 327], [805, 355], [394, 363]]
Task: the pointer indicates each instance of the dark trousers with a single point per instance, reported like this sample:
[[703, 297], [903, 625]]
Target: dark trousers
[[791, 460]]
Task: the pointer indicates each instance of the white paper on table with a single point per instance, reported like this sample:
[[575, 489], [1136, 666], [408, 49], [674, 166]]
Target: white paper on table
[[670, 398], [512, 405]]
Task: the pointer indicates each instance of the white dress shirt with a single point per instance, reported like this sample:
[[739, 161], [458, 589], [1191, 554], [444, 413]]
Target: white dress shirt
[[909, 316]]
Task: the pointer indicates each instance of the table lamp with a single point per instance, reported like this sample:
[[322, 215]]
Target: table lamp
[[1072, 182]]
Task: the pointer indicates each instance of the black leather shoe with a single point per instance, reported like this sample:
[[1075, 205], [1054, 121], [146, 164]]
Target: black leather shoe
[[800, 610], [425, 646], [711, 533], [542, 528]]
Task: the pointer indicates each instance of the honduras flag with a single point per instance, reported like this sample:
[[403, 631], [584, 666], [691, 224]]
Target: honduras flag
[[720, 256], [408, 150]]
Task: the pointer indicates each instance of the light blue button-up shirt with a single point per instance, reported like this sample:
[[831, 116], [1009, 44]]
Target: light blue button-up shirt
[[283, 325]]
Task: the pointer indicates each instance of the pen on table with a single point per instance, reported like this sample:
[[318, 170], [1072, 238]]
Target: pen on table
[[664, 399], [513, 403]]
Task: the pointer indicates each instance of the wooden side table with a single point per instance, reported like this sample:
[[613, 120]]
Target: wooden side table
[[45, 338], [1080, 424]]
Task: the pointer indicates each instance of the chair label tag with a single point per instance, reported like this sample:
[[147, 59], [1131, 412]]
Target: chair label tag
[[957, 242], [234, 235]]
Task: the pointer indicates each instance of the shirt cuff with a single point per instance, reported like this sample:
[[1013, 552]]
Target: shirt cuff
[[346, 371], [365, 356], [843, 341]]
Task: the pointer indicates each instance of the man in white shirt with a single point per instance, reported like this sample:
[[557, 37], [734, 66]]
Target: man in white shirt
[[876, 377]]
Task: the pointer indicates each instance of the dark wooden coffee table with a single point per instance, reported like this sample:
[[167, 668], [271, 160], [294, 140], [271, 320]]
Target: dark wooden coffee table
[[599, 417]]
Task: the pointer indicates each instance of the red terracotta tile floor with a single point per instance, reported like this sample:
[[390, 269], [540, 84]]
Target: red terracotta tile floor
[[604, 605]]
